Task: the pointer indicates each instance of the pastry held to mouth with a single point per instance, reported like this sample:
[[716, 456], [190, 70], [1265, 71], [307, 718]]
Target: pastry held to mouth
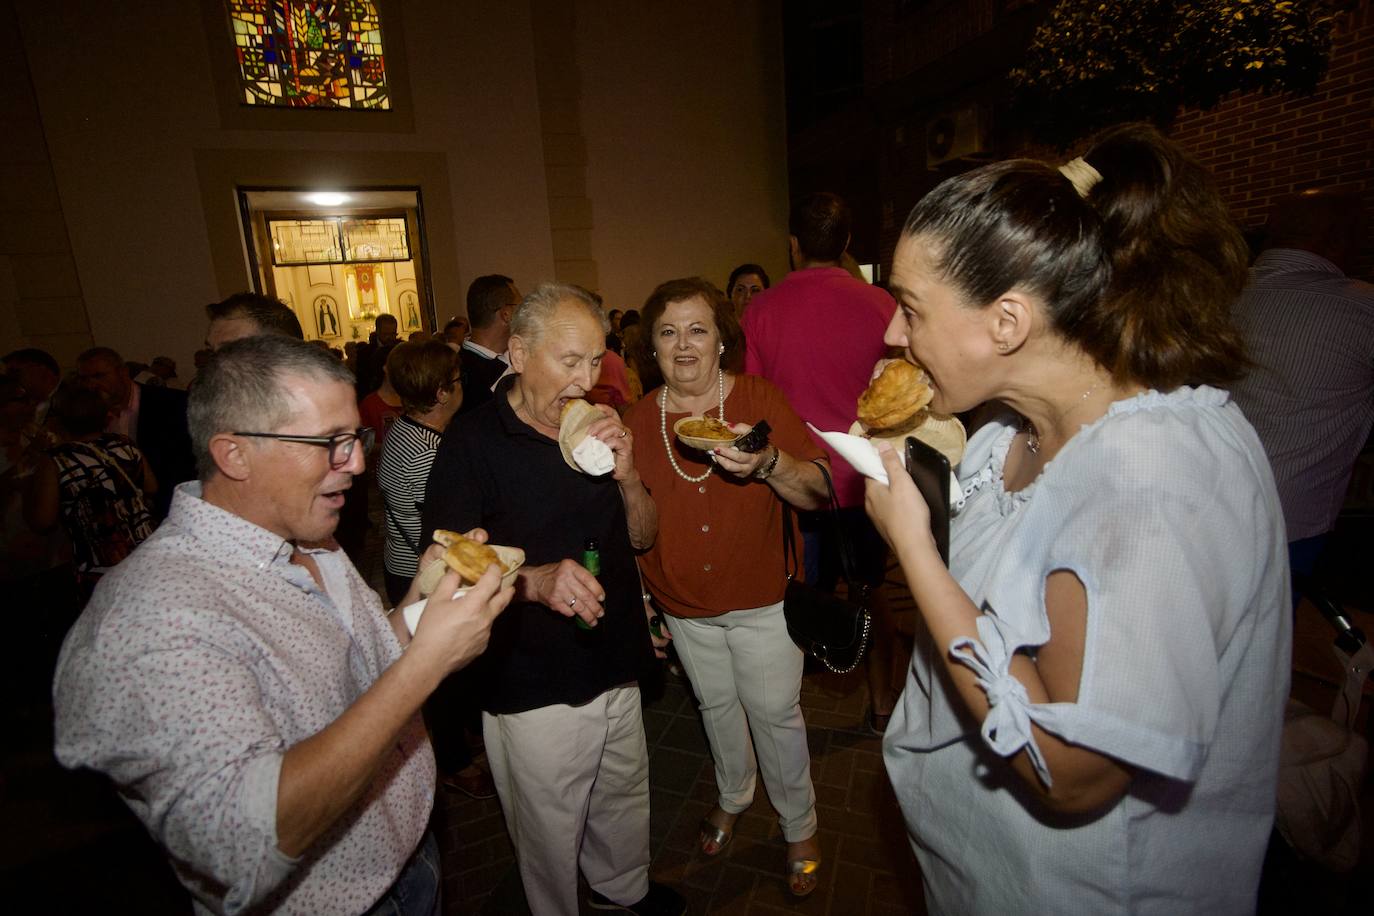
[[582, 452], [896, 405], [893, 401]]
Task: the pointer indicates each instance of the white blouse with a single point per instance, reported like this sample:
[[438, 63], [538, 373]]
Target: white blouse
[[1165, 509]]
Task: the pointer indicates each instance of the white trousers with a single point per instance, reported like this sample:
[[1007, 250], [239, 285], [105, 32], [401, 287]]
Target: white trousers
[[574, 786], [746, 672]]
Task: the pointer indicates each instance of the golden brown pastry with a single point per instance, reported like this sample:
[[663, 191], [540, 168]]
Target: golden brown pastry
[[707, 428], [893, 401], [465, 556]]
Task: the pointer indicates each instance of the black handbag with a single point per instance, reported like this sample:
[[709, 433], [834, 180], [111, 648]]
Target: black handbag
[[832, 630]]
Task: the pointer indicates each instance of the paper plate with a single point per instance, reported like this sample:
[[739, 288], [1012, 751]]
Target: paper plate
[[702, 443], [512, 558], [944, 434]]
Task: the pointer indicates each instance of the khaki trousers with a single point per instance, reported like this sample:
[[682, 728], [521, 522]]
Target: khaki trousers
[[574, 786]]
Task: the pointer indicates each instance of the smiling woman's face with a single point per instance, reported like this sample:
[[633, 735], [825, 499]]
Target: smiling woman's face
[[939, 330], [687, 343]]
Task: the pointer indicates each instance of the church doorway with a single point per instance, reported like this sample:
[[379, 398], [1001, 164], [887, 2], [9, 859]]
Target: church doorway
[[341, 258]]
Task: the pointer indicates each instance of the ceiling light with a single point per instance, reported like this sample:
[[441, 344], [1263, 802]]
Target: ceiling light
[[327, 198]]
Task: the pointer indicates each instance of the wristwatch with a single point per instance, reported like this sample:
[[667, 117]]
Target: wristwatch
[[766, 469]]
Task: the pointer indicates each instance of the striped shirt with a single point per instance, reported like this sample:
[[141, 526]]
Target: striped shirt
[[402, 471], [1310, 331]]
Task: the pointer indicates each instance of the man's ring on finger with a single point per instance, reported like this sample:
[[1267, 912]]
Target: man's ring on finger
[[622, 434], [571, 602]]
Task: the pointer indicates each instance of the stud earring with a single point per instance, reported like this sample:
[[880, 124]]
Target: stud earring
[[722, 348], [1004, 347]]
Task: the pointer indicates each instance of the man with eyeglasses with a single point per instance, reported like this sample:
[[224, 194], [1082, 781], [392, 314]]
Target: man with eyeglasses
[[239, 681]]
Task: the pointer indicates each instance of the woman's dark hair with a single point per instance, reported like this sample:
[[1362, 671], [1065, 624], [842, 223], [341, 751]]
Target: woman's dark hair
[[742, 271], [1140, 274], [80, 411], [418, 370], [641, 350]]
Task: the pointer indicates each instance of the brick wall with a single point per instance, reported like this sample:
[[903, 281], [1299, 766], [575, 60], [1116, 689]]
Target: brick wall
[[1261, 147]]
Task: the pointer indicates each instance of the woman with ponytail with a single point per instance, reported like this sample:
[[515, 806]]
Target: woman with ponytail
[[1093, 722]]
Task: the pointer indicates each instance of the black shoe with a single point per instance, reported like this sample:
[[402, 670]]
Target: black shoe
[[661, 900]]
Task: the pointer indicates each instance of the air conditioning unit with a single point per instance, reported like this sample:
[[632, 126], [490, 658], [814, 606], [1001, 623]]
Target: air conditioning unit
[[958, 134]]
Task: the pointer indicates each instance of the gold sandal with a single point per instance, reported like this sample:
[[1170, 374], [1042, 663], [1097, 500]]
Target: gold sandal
[[710, 833], [801, 876]]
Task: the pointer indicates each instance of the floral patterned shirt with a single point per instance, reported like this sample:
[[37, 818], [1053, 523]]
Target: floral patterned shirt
[[199, 661]]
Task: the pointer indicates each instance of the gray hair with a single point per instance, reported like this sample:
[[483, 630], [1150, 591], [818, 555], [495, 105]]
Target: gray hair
[[533, 315], [246, 386]]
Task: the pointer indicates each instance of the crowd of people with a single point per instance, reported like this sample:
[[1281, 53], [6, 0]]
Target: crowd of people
[[1088, 720]]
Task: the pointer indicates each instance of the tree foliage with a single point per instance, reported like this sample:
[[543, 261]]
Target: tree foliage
[[1092, 63]]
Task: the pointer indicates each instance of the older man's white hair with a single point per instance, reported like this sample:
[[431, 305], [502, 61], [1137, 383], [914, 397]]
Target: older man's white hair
[[533, 315]]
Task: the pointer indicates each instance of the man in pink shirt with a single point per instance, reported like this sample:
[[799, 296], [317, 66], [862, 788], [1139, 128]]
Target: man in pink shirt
[[816, 335]]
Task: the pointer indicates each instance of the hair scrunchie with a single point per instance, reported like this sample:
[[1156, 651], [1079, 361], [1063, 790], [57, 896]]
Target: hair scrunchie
[[1081, 175]]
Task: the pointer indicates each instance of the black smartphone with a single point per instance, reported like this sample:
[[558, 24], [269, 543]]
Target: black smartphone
[[930, 471], [756, 439]]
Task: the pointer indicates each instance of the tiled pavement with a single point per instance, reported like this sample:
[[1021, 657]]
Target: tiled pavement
[[868, 867]]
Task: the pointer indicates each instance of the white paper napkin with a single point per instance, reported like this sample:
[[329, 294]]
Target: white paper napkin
[[594, 456], [861, 453], [412, 613], [863, 456]]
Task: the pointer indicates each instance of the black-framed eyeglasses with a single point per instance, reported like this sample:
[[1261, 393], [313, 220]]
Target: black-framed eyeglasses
[[340, 445]]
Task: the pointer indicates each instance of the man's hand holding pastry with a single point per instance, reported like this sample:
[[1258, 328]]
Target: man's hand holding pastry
[[618, 439], [454, 631]]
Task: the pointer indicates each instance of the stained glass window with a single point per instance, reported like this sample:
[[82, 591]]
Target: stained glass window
[[309, 53]]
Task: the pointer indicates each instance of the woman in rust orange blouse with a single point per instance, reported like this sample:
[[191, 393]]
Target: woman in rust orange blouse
[[716, 568]]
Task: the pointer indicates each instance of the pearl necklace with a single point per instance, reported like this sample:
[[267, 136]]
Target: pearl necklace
[[663, 428]]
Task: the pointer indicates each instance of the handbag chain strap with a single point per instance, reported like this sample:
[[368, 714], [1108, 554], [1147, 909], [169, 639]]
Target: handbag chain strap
[[863, 646]]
